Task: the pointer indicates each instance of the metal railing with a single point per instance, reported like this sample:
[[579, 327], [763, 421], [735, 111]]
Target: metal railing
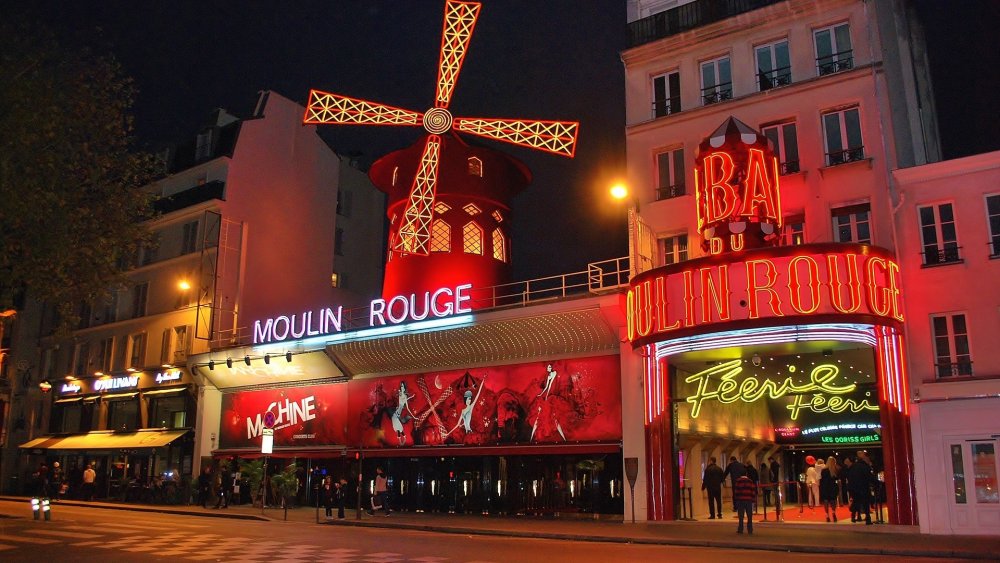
[[716, 94], [599, 278], [774, 78], [688, 16], [669, 192], [953, 369], [939, 256], [994, 247], [837, 62], [789, 167], [843, 157], [666, 106]]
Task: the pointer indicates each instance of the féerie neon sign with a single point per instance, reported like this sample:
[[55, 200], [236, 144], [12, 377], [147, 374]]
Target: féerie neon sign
[[821, 385], [400, 309]]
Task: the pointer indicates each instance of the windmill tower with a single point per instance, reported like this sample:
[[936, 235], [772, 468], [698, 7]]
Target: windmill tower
[[449, 211]]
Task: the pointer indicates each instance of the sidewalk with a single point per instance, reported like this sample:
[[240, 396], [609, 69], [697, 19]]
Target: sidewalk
[[769, 536]]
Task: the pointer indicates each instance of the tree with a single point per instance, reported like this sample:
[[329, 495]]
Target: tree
[[286, 484], [71, 198], [254, 472]]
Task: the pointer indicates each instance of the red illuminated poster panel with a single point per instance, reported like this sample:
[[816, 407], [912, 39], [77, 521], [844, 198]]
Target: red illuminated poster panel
[[303, 417], [821, 283], [540, 402]]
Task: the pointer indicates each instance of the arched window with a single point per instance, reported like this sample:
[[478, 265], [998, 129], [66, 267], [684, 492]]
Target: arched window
[[440, 236], [472, 238], [499, 246], [475, 167]]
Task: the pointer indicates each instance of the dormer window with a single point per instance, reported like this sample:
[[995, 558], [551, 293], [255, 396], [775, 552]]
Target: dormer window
[[472, 209], [475, 167]]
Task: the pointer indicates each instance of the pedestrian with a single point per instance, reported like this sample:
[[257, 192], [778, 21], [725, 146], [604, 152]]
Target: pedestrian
[[379, 499], [734, 470], [326, 495], [89, 476], [765, 484], [222, 485], [828, 488], [860, 481], [711, 482], [812, 482], [43, 480], [843, 474], [744, 492], [204, 486], [340, 493], [755, 477], [58, 480]]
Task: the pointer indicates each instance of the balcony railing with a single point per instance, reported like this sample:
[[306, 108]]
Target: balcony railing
[[845, 156], [666, 107], [191, 196], [688, 16], [938, 256], [669, 192], [995, 247], [716, 94], [607, 276], [837, 62], [789, 167], [953, 369], [774, 78]]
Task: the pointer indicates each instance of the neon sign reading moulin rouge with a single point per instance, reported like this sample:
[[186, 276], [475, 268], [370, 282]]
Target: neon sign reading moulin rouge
[[820, 384], [768, 286], [400, 309]]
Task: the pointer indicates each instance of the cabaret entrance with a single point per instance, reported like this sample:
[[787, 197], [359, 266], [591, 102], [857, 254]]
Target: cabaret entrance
[[757, 346]]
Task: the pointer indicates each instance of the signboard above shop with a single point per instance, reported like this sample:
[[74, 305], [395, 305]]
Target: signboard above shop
[[138, 380], [227, 373]]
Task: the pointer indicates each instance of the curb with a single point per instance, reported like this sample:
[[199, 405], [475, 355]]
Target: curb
[[133, 508], [747, 545]]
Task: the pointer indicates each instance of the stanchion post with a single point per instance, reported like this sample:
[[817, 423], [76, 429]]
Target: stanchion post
[[36, 507], [47, 509], [690, 503]]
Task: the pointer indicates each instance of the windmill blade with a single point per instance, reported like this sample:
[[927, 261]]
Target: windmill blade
[[557, 137], [459, 21], [415, 232], [333, 108]]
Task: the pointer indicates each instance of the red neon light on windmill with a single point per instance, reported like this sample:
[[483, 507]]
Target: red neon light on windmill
[[411, 230]]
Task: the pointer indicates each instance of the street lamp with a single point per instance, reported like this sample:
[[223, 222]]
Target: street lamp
[[620, 192]]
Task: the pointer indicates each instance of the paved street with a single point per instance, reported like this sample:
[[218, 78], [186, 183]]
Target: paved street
[[92, 534]]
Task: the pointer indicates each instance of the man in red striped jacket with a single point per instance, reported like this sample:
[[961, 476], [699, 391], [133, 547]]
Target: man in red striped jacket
[[744, 493]]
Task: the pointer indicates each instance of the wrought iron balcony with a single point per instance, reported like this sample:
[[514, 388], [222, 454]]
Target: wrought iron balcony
[[937, 256], [789, 167], [669, 192], [953, 369], [689, 16], [843, 157], [774, 78], [666, 106], [716, 94], [837, 62]]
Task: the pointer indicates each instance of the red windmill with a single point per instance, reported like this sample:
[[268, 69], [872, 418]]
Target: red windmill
[[451, 225]]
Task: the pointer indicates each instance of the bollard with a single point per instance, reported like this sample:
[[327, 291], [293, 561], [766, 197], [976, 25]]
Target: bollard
[[36, 507], [46, 508]]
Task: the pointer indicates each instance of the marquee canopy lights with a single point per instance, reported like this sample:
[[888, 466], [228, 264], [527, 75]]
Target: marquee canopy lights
[[414, 235]]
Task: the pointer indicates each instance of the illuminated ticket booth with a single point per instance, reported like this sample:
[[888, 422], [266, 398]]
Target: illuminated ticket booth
[[758, 351]]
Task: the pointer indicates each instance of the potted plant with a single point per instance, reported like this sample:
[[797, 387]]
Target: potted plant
[[253, 471], [286, 484]]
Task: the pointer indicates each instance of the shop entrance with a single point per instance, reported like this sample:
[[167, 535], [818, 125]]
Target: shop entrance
[[784, 409]]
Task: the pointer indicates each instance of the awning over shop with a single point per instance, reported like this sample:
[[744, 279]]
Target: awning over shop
[[105, 440]]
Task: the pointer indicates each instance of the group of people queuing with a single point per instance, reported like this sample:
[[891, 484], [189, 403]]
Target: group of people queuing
[[224, 484], [853, 483], [827, 484], [57, 484]]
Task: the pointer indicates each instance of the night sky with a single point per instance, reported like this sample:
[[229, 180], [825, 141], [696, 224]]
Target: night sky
[[551, 59]]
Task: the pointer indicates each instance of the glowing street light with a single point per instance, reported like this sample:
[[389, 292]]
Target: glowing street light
[[183, 285], [619, 191]]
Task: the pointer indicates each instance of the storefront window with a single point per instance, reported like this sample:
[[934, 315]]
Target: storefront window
[[169, 412], [123, 414], [984, 466], [958, 474]]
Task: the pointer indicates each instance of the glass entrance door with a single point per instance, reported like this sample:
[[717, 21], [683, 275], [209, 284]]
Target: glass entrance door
[[974, 470]]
